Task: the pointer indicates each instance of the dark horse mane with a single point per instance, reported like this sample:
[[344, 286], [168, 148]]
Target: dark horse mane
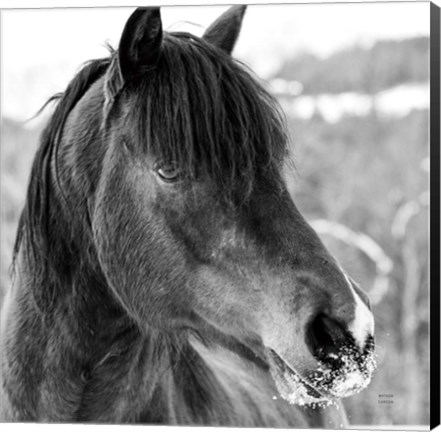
[[34, 222]]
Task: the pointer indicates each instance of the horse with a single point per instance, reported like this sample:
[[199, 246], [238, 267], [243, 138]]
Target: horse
[[162, 273]]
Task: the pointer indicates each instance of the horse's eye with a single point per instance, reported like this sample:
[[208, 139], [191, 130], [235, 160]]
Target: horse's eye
[[169, 172]]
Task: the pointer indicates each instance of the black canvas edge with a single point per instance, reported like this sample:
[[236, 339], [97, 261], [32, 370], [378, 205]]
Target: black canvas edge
[[434, 215]]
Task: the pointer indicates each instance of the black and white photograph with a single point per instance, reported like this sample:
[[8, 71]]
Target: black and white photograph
[[219, 215]]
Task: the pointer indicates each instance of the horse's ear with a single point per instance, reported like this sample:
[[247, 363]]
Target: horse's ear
[[138, 51], [140, 44], [225, 30]]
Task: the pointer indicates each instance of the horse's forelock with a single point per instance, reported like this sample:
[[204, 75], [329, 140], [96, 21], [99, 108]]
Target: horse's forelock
[[204, 110]]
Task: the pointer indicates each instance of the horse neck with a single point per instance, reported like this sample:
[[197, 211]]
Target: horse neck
[[60, 317]]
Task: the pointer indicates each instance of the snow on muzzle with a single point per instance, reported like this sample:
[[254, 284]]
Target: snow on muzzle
[[343, 368]]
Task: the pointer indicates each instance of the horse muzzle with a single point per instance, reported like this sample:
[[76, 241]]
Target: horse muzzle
[[338, 366]]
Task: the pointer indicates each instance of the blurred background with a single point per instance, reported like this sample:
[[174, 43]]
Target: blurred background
[[353, 81]]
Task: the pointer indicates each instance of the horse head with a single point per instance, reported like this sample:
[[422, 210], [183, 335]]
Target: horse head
[[193, 225]]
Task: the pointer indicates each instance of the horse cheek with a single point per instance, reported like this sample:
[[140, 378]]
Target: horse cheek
[[143, 271]]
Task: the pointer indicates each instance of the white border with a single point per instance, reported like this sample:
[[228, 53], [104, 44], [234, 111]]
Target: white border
[[21, 4]]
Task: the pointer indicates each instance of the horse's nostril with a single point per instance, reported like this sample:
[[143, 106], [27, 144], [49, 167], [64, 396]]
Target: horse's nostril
[[325, 337]]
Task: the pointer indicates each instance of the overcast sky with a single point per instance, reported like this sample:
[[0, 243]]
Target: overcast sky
[[42, 49]]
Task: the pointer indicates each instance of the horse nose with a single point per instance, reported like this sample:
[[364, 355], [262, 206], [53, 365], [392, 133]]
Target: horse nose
[[346, 320], [326, 336]]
